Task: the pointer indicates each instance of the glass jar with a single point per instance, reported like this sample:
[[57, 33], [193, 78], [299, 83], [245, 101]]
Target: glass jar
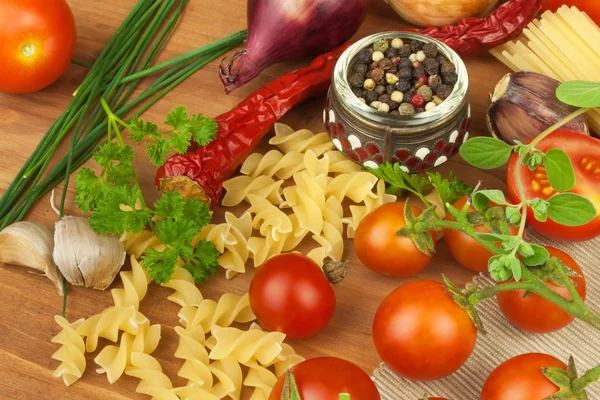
[[418, 142]]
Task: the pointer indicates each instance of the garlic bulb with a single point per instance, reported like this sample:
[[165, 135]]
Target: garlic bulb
[[524, 104], [28, 244], [84, 257]]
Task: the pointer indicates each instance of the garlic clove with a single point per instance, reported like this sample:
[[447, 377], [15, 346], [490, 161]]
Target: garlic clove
[[29, 244], [84, 257], [524, 104]]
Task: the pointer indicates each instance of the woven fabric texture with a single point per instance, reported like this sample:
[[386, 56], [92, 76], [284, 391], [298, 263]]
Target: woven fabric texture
[[504, 341]]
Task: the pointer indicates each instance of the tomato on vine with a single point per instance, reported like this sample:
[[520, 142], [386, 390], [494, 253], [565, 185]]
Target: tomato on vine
[[380, 249], [37, 42], [290, 293], [324, 378], [421, 333], [584, 152], [535, 314], [521, 378], [467, 251]]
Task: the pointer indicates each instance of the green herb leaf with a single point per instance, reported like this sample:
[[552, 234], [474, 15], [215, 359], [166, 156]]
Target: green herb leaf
[[515, 267], [513, 215], [512, 243], [485, 152], [482, 198], [177, 117], [180, 141], [540, 209], [158, 151], [526, 250], [90, 189], [559, 170], [399, 179], [581, 94], [498, 269], [140, 130], [203, 263], [180, 233], [345, 396], [570, 209], [451, 189], [492, 237], [117, 162], [203, 129], [534, 159], [539, 257], [160, 265], [120, 211]]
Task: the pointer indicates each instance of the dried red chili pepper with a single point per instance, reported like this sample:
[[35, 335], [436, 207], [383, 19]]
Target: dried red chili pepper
[[201, 171], [473, 36]]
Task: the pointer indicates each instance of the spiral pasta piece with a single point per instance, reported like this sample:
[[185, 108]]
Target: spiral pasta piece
[[273, 163], [113, 360], [288, 140], [230, 308], [356, 186], [244, 346], [137, 243], [71, 354], [229, 375], [359, 212], [340, 164], [238, 188], [135, 286], [184, 286], [195, 368], [330, 239], [153, 382], [230, 239], [261, 379]]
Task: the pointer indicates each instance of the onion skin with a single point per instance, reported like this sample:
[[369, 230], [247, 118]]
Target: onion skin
[[426, 13], [286, 30], [524, 104]]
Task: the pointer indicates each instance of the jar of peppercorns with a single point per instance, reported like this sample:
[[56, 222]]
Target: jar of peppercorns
[[398, 97]]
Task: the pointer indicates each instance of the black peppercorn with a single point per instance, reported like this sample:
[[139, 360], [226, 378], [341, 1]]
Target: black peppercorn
[[380, 89], [385, 98], [405, 63], [371, 97], [393, 105], [364, 56], [360, 68], [356, 80], [430, 50], [389, 89], [404, 73], [368, 74], [431, 66], [447, 67], [418, 71], [434, 82], [385, 64], [403, 86], [358, 92], [390, 53], [450, 78], [420, 110], [444, 91], [395, 112], [378, 74], [415, 46], [441, 59], [408, 95], [404, 51]]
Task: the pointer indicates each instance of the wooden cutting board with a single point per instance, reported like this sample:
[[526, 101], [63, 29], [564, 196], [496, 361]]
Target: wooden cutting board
[[28, 302]]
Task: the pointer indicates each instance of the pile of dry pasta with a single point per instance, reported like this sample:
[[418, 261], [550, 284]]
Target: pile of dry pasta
[[280, 215]]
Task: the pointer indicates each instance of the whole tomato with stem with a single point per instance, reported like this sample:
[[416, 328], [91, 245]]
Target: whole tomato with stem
[[467, 251], [533, 313], [324, 378], [290, 293], [380, 249], [584, 152], [37, 42], [521, 378], [421, 333]]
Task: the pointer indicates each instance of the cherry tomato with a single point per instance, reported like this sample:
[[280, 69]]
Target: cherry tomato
[[324, 378], [584, 152], [289, 293], [467, 251], [535, 314], [521, 378], [380, 249], [421, 333], [37, 41], [591, 8]]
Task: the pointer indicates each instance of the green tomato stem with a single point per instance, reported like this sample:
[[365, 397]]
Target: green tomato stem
[[591, 376]]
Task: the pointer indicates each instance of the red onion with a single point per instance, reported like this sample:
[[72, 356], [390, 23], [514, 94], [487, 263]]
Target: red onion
[[284, 30]]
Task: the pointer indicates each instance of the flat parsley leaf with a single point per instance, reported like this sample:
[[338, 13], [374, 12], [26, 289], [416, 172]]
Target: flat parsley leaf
[[203, 129], [157, 151], [120, 211], [90, 189], [399, 179], [139, 130], [176, 233], [203, 264], [160, 265], [177, 117], [117, 162], [450, 189]]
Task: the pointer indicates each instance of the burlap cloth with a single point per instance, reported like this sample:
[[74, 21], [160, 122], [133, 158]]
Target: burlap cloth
[[503, 341]]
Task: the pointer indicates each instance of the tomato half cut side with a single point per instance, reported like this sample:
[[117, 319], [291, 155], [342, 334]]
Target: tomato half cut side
[[584, 152]]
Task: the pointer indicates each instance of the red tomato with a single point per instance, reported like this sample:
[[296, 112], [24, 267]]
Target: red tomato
[[592, 8], [421, 333], [521, 378], [380, 249], [584, 152], [289, 293], [535, 314], [467, 251], [37, 41], [324, 378]]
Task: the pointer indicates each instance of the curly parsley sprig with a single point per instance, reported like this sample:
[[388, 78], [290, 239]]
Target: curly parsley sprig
[[117, 204]]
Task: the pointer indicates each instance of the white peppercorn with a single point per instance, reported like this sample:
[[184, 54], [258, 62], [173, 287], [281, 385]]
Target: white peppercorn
[[375, 104], [397, 96], [378, 56], [391, 79], [383, 107], [397, 43], [430, 106], [420, 56], [369, 84], [426, 92], [362, 100], [406, 109], [437, 100], [412, 57]]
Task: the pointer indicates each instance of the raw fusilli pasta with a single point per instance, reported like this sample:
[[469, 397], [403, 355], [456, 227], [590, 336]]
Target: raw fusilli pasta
[[359, 212], [209, 313], [71, 354], [191, 349], [135, 286], [288, 140]]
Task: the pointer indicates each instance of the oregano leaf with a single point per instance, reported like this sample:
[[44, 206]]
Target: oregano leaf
[[570, 209], [485, 152], [559, 170], [482, 198], [539, 257], [581, 94]]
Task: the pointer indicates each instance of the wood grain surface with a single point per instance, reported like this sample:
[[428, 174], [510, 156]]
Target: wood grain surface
[[29, 302]]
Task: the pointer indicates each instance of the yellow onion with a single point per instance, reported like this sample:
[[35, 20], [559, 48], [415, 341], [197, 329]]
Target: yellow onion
[[524, 104], [428, 13]]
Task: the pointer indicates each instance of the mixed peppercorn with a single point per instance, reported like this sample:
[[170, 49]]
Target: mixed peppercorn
[[402, 78]]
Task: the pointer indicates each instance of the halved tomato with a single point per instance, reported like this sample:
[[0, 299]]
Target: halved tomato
[[584, 152]]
